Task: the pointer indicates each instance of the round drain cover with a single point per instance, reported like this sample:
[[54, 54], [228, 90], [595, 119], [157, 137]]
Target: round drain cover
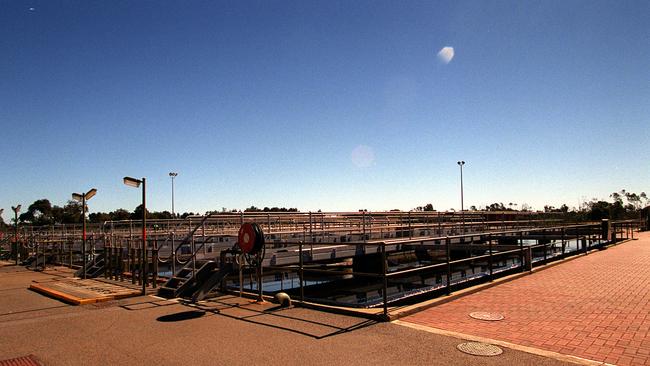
[[483, 315], [479, 349]]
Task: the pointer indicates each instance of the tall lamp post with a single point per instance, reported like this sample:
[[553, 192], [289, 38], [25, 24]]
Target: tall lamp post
[[132, 182], [462, 207], [173, 175], [17, 253], [83, 197]]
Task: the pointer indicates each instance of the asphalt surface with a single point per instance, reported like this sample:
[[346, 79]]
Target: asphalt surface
[[228, 330]]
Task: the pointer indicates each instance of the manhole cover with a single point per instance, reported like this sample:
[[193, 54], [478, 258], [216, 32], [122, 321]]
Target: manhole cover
[[479, 349], [483, 315]]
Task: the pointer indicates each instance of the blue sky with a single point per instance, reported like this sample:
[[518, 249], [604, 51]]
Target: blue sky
[[268, 103]]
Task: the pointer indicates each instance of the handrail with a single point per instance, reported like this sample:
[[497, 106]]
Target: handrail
[[187, 239]]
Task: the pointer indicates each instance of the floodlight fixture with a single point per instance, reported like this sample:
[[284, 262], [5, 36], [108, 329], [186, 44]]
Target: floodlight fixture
[[17, 208], [90, 194], [132, 182], [77, 197]]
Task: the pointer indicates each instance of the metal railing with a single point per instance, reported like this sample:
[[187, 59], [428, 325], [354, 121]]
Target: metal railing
[[552, 243]]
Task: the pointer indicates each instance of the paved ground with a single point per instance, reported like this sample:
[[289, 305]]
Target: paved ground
[[595, 307], [147, 330]]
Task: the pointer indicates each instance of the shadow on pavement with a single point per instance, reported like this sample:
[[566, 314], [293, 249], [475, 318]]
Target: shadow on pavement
[[282, 318], [184, 315]]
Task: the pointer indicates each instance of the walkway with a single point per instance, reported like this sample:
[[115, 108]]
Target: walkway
[[145, 330], [595, 307]]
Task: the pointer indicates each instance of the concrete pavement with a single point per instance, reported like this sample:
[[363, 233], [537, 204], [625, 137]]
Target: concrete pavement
[[148, 330]]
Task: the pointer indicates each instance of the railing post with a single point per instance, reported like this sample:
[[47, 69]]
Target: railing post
[[521, 251], [301, 272], [132, 261], [545, 245], [448, 261], [363, 224], [154, 259], [410, 233], [120, 260], [173, 256], [138, 254], [192, 247], [107, 261], [385, 279], [490, 263]]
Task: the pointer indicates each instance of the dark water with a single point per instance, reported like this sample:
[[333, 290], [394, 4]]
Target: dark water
[[347, 290]]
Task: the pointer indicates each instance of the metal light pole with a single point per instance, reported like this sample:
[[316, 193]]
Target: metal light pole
[[462, 208], [83, 197], [17, 253], [173, 175], [132, 182]]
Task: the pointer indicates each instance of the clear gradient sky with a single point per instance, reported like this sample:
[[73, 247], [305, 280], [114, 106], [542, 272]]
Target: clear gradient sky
[[333, 105]]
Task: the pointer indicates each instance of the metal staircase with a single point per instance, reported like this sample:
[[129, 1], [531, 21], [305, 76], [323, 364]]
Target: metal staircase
[[94, 268], [186, 280]]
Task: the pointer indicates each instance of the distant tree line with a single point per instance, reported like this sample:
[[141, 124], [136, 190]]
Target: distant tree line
[[271, 209], [42, 212], [624, 205]]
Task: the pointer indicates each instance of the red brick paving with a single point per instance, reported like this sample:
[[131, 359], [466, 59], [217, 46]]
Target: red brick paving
[[21, 361], [596, 307]]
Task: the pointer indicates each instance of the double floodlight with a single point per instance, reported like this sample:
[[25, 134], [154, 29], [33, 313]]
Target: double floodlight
[[17, 208], [81, 196], [132, 182], [173, 174], [461, 162]]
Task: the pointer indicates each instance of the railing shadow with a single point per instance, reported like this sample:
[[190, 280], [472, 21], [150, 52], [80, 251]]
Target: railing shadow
[[280, 314]]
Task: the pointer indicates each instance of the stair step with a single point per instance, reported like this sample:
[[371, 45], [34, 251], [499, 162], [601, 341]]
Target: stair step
[[167, 292]]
